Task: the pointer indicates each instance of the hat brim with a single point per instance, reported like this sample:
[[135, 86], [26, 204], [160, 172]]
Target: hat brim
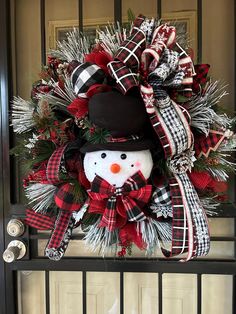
[[128, 146]]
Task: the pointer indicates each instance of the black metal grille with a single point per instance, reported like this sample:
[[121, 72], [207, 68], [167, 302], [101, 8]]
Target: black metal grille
[[32, 261]]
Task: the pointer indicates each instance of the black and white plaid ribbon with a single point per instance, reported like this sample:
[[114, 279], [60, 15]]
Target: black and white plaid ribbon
[[85, 75]]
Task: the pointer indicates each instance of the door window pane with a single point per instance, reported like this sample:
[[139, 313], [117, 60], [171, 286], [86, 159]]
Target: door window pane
[[103, 293], [180, 294], [31, 292], [217, 294], [66, 292], [140, 293], [148, 8]]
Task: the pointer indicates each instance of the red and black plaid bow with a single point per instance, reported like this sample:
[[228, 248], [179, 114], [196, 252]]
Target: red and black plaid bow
[[117, 205], [201, 76]]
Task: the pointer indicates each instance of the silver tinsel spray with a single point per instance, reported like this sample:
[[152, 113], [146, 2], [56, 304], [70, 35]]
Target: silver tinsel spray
[[22, 115], [40, 194], [154, 233], [100, 239], [74, 48], [201, 112]]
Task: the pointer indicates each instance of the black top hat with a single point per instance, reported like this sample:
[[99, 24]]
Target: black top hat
[[124, 116]]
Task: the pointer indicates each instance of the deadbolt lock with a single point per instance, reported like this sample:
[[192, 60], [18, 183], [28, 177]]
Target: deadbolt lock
[[15, 227]]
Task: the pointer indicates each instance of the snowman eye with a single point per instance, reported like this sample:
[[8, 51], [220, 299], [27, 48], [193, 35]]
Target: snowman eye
[[123, 156], [103, 155], [132, 165]]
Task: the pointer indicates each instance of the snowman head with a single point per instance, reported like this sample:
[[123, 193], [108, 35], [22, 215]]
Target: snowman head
[[117, 166]]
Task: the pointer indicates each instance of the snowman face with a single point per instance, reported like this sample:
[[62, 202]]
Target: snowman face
[[116, 166]]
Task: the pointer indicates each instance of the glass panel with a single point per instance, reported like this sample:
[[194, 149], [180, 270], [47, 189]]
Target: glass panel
[[183, 5], [103, 293], [180, 293], [94, 11], [219, 249], [31, 292], [217, 294], [28, 48], [221, 227], [147, 8], [26, 55], [213, 33], [66, 292], [140, 293], [59, 15]]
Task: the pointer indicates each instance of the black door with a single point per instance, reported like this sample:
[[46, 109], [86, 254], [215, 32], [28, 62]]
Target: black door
[[86, 283]]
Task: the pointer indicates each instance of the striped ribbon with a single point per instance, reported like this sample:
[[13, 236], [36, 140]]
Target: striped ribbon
[[189, 225]]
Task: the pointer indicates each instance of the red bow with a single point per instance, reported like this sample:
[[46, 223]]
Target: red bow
[[117, 205]]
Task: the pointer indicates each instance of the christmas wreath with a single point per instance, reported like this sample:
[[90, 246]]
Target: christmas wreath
[[125, 138]]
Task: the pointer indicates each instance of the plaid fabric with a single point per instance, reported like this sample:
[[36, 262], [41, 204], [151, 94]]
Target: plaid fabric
[[162, 195], [203, 145], [171, 58], [201, 76], [172, 128], [139, 20], [65, 199], [180, 226], [158, 91], [176, 127], [160, 131], [199, 220], [189, 225], [53, 166], [161, 203], [130, 50], [85, 75], [123, 139], [119, 204], [125, 78], [166, 74], [39, 221], [60, 227]]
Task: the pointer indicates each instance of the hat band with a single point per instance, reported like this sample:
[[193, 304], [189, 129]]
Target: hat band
[[123, 139]]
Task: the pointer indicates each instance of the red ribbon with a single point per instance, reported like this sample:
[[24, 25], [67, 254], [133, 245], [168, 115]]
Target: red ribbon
[[117, 205]]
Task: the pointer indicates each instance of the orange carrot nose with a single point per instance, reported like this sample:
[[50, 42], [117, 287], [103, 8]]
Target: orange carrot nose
[[115, 168]]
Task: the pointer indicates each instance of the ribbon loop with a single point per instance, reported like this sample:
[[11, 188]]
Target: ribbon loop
[[53, 166], [125, 77], [130, 50]]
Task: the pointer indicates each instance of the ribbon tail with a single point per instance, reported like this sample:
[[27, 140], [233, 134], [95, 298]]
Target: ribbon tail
[[109, 216], [133, 211], [189, 227], [60, 236]]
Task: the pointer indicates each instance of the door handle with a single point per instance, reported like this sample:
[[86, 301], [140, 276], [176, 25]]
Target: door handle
[[15, 250], [15, 228]]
